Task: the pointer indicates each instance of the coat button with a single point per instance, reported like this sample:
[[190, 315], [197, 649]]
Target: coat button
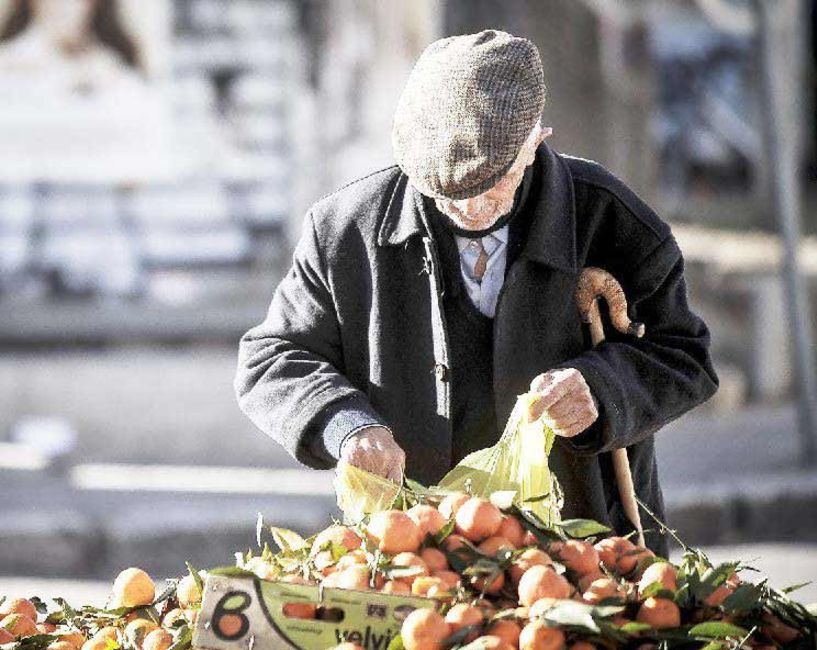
[[441, 371]]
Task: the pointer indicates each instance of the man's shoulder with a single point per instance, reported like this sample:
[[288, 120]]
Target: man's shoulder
[[358, 202], [597, 183]]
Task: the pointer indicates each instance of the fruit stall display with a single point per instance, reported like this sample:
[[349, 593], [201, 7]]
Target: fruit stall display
[[452, 571]]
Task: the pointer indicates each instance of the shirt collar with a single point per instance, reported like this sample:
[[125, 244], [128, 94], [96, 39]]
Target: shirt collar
[[490, 241], [552, 237]]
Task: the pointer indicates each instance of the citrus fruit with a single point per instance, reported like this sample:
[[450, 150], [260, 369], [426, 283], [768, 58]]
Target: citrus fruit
[[423, 584], [477, 519], [137, 630], [187, 592], [512, 530], [133, 587], [335, 535], [19, 625], [659, 613], [538, 636], [424, 629], [434, 558], [617, 554], [602, 589], [577, 556], [395, 587], [410, 560], [158, 640], [463, 615], [450, 504], [450, 578], [428, 519], [299, 610], [661, 572], [723, 591], [18, 606], [542, 582], [393, 531], [525, 560], [507, 630]]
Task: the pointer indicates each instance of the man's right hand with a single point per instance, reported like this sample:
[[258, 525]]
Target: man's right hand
[[373, 449]]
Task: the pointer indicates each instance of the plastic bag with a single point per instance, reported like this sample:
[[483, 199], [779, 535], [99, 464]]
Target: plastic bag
[[517, 464], [360, 493]]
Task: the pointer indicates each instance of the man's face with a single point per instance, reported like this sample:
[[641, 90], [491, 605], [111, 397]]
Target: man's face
[[483, 211]]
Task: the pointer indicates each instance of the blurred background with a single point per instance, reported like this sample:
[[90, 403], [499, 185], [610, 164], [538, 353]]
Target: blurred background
[[157, 158]]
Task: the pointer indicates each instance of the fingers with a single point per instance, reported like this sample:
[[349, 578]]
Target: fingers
[[564, 402], [374, 450], [553, 386], [570, 429]]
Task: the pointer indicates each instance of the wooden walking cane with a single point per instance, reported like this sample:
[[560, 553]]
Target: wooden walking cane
[[595, 283]]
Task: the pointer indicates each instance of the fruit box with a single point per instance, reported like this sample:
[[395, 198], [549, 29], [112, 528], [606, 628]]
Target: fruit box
[[246, 613]]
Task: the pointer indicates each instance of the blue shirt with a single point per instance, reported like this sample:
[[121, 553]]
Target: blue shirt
[[484, 294]]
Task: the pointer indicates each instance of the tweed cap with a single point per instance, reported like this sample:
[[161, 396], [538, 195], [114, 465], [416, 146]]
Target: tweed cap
[[465, 112]]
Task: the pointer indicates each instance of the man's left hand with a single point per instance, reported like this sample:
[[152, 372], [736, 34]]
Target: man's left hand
[[563, 401]]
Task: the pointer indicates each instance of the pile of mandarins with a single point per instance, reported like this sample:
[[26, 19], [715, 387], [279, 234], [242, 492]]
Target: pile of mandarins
[[497, 582], [132, 619]]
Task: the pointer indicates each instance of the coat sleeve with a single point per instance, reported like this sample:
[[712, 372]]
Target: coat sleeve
[[642, 384], [290, 379]]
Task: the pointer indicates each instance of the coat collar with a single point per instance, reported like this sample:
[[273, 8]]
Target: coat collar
[[552, 236]]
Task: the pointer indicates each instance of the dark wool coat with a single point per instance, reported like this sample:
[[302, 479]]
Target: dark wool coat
[[358, 320]]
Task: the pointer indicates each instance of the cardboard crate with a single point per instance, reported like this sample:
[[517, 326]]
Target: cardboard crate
[[244, 613]]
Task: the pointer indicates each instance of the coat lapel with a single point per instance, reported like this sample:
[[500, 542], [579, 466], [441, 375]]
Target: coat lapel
[[552, 237]]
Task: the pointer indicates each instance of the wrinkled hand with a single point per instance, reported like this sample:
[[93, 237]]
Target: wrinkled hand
[[373, 449], [563, 401]]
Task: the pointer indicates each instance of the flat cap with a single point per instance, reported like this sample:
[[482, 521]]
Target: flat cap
[[465, 112]]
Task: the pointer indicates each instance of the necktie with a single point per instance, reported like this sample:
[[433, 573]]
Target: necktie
[[482, 262]]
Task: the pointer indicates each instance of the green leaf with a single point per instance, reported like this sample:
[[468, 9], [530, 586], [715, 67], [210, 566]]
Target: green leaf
[[396, 643], [634, 627], [287, 540], [715, 645], [184, 640], [194, 573], [34, 642], [746, 597], [403, 571], [571, 612], [39, 605], [537, 498], [788, 590], [460, 635], [444, 532], [338, 550], [417, 488], [582, 527], [717, 630], [656, 590], [68, 612], [231, 572], [535, 525]]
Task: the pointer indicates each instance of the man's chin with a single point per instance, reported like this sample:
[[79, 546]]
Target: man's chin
[[476, 224]]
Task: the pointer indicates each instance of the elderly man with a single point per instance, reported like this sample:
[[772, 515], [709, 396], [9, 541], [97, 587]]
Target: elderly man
[[424, 297]]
